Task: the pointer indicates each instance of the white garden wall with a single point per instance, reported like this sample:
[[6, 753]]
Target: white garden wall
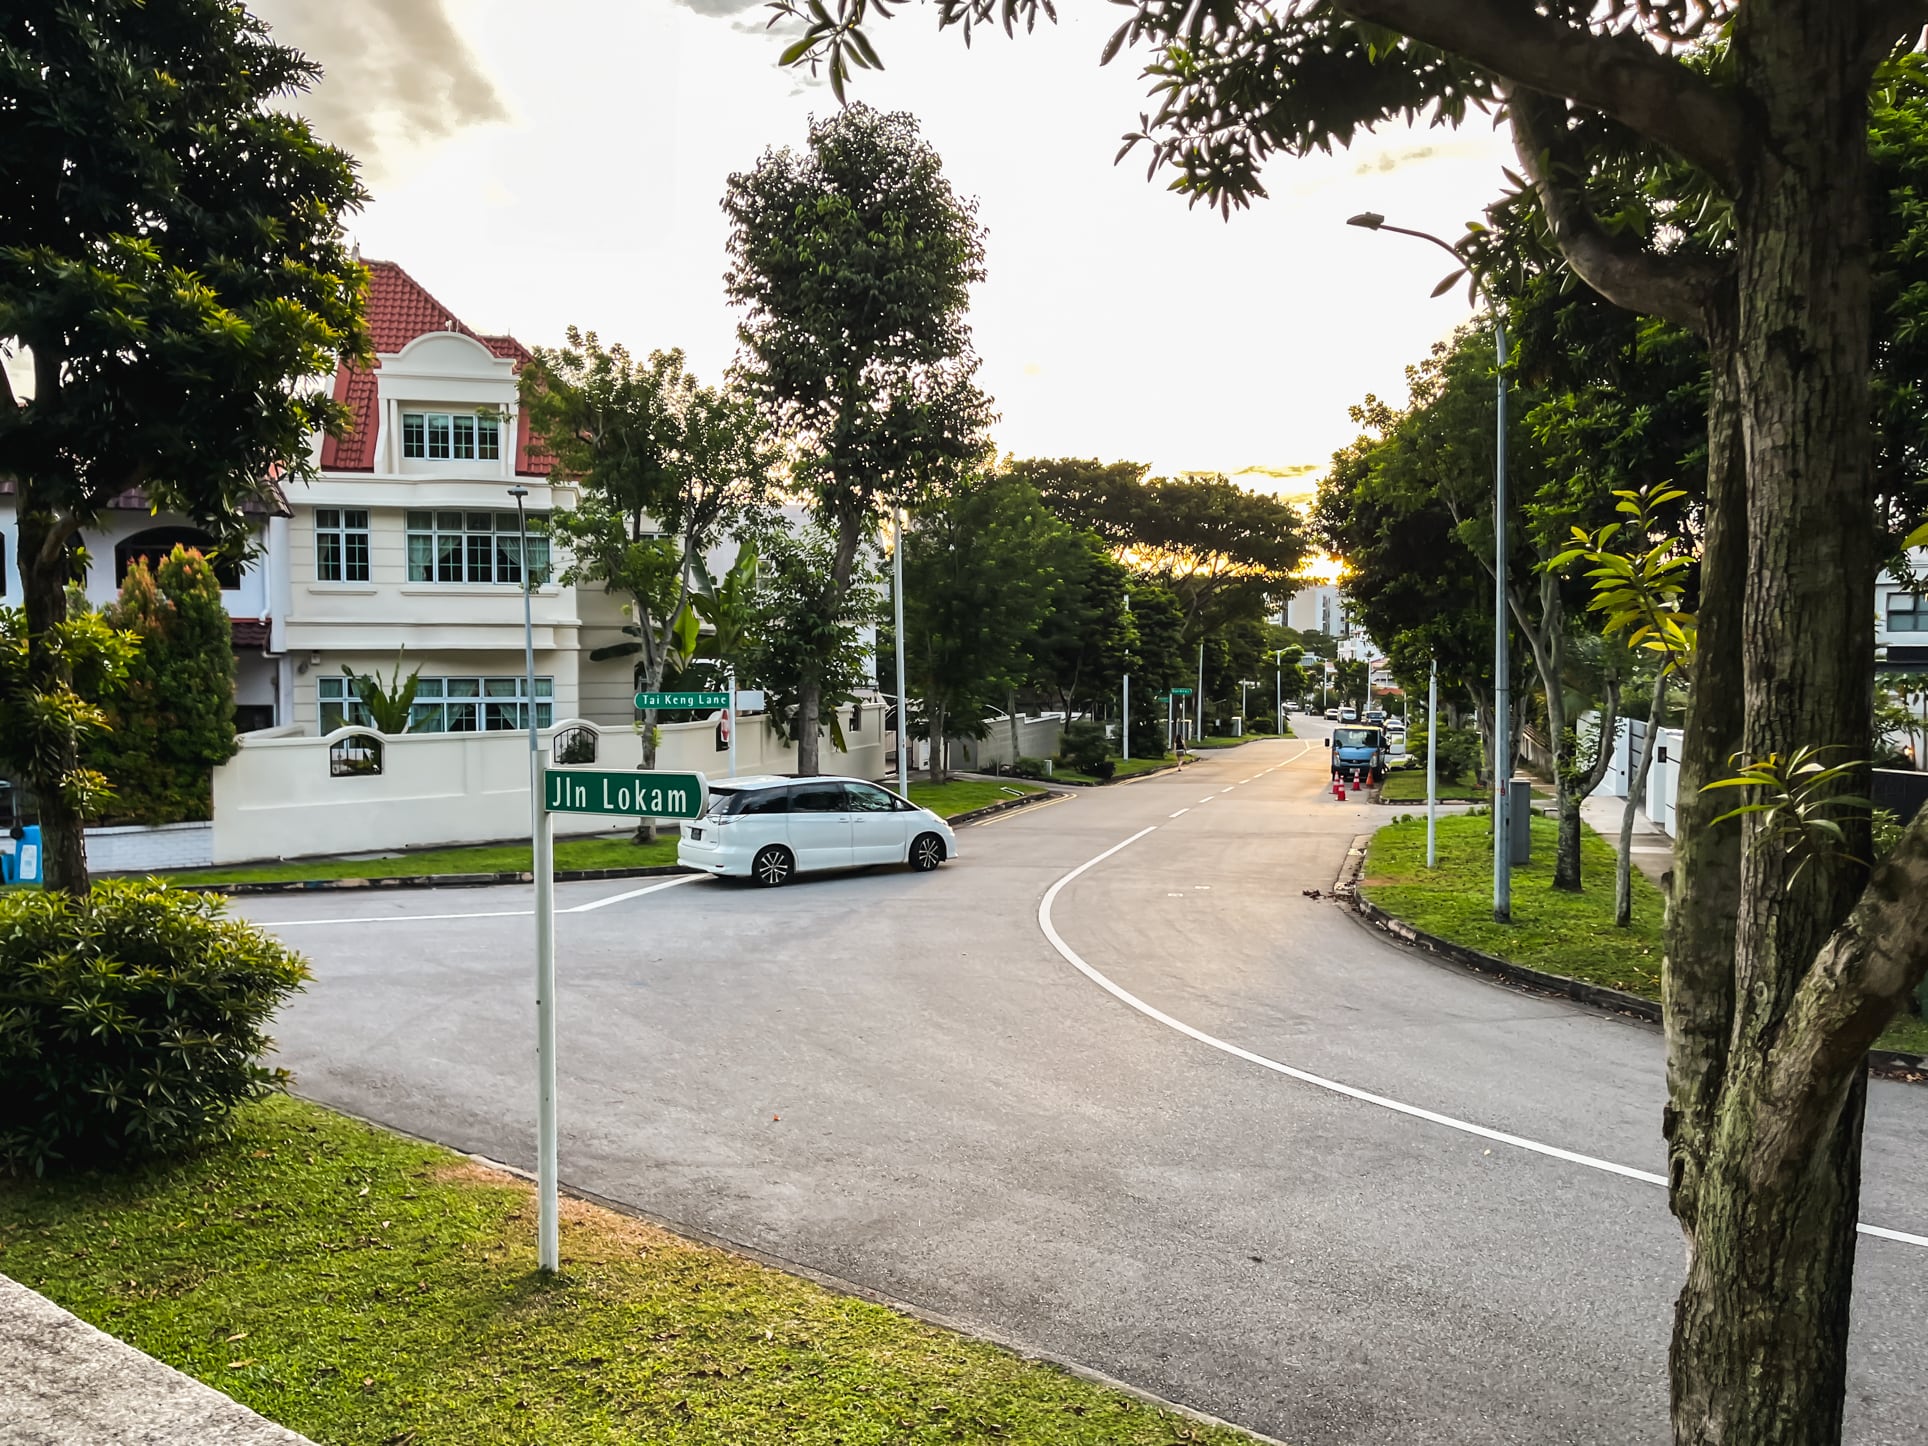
[[276, 798], [139, 849]]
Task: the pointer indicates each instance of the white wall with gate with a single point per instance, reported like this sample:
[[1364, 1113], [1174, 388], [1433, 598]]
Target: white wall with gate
[[278, 797]]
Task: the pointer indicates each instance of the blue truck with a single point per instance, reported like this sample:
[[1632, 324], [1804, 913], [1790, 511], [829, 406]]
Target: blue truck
[[1358, 753]]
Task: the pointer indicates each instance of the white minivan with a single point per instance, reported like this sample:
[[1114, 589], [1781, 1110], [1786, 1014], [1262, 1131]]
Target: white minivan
[[770, 829]]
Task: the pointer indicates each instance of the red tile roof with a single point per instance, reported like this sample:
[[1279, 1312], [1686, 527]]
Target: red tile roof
[[399, 310]]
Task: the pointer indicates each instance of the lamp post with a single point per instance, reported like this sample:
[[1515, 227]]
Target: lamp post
[[1502, 671], [1432, 766], [1278, 687], [548, 1250], [1124, 727], [903, 703], [1243, 684]]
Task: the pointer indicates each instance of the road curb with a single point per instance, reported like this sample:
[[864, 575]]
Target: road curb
[[433, 881], [991, 810], [1892, 1064]]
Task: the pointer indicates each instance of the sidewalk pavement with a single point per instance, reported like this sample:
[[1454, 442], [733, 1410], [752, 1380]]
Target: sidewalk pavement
[[1653, 851], [67, 1384]]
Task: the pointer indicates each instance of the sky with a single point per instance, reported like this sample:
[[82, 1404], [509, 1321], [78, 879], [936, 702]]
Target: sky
[[536, 166]]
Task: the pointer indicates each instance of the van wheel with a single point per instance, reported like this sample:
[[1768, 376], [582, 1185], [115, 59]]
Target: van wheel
[[772, 866], [926, 852]]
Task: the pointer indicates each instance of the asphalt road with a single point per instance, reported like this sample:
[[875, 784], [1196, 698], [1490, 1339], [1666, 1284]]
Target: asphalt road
[[902, 1081]]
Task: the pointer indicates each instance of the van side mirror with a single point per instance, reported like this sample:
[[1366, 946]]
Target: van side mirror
[[1328, 743]]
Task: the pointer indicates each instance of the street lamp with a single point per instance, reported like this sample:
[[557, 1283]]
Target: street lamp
[[1278, 686], [1502, 691], [1243, 684], [897, 603]]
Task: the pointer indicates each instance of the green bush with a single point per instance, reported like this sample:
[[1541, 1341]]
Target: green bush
[[1460, 754], [1083, 747], [1028, 768], [130, 1022]]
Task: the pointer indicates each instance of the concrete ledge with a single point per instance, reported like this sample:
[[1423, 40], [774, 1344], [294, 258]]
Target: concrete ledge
[[65, 1382], [991, 810]]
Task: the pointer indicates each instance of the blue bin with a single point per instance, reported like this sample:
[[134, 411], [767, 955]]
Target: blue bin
[[26, 857]]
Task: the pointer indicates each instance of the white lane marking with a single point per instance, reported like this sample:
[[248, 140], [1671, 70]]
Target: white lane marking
[[1186, 809], [479, 913], [1228, 788], [1500, 1137], [1208, 798], [633, 894]]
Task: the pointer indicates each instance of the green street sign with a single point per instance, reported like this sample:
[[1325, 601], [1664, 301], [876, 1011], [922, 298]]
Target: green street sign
[[682, 700], [632, 794], [1181, 692]]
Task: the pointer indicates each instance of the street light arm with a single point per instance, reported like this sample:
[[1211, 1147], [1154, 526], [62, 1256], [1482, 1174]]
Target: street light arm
[[1679, 289]]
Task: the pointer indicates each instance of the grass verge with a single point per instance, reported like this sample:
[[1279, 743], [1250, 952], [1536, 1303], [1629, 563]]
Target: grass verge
[[571, 853], [1124, 768], [1408, 785], [1567, 934], [961, 795], [358, 1287]]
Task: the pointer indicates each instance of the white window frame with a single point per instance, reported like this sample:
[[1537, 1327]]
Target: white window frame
[[480, 705], [1915, 611], [451, 547], [460, 436], [339, 706], [344, 526]]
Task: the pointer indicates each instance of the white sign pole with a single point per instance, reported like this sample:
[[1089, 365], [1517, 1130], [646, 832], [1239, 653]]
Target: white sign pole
[[731, 715], [1432, 767], [897, 632], [548, 1249]]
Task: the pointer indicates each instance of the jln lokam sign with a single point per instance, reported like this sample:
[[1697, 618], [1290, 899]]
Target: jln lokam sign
[[637, 795]]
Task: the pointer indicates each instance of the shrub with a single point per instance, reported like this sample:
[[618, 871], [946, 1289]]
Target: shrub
[[1083, 747], [174, 722], [1102, 769], [130, 1022], [1028, 768], [1460, 754]]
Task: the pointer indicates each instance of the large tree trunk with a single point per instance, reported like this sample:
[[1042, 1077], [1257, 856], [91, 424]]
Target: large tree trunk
[[1576, 784], [1766, 1141], [45, 570], [940, 769], [1636, 795]]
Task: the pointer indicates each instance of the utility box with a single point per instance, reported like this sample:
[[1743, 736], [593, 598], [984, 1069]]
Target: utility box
[[1519, 820], [26, 856]]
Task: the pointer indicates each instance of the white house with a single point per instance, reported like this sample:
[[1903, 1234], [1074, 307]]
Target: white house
[[1901, 620]]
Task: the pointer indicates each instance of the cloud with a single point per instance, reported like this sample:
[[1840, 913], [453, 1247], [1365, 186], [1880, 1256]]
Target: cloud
[[397, 73]]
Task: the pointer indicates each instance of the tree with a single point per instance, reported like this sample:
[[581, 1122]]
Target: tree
[[853, 263], [979, 580], [1781, 971], [1079, 650], [172, 261], [172, 723], [1221, 550], [667, 468], [809, 632]]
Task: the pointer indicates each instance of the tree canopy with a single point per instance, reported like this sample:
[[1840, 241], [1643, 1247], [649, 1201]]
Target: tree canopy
[[173, 265]]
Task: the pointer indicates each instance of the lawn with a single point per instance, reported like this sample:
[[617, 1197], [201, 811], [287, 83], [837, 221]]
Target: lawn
[[572, 853], [1568, 934], [961, 795], [1125, 768], [1225, 740], [1408, 785], [358, 1287]]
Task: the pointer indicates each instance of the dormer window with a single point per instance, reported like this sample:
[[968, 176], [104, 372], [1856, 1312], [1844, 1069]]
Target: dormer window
[[452, 436]]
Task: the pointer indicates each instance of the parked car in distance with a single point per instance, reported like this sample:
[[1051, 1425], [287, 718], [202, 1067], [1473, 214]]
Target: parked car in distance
[[1332, 715], [1348, 715], [771, 829]]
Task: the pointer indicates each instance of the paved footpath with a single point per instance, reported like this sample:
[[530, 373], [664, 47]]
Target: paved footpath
[[66, 1384]]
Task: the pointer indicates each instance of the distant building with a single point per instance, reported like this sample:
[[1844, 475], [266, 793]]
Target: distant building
[[1901, 620], [1315, 609]]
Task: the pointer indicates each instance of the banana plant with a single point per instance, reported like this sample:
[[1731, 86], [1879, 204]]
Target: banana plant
[[390, 706]]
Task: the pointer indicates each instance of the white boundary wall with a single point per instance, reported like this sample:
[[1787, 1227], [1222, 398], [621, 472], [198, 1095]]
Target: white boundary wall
[[142, 849], [275, 797]]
